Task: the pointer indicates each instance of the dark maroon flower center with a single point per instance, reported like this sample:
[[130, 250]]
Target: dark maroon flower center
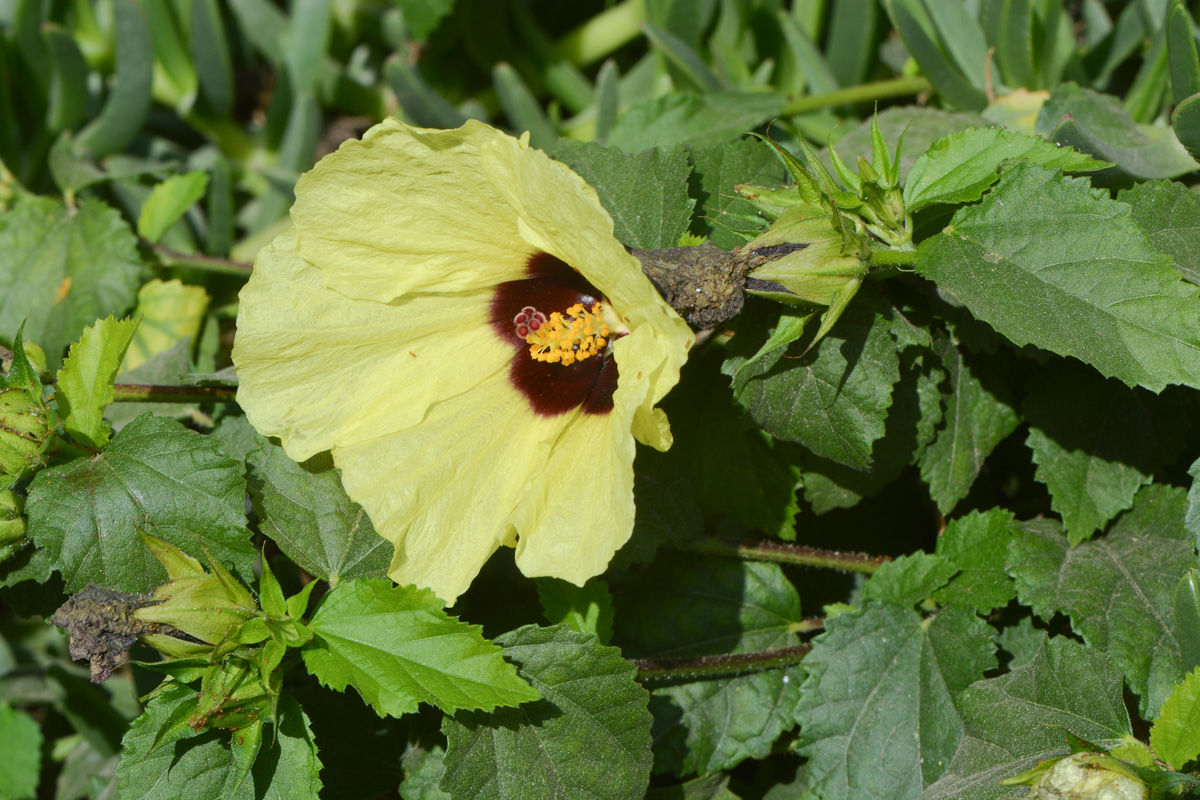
[[551, 388]]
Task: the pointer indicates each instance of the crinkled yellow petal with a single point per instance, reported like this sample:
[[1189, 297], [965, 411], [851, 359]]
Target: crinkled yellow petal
[[442, 491], [318, 369], [580, 509], [409, 209], [560, 214]]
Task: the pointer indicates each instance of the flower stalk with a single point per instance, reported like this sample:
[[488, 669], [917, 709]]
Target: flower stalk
[[720, 666], [780, 553]]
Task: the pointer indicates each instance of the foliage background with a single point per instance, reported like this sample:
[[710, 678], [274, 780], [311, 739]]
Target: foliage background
[[1023, 453]]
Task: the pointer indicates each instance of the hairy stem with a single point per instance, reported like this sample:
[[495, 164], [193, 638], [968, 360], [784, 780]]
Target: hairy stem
[[719, 666], [144, 393], [781, 553]]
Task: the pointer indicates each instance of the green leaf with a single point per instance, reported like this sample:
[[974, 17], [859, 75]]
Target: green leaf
[[736, 469], [693, 119], [716, 171], [85, 383], [646, 193], [1098, 124], [978, 545], [1049, 261], [185, 763], [1175, 735], [909, 579], [921, 126], [1169, 213], [687, 62], [397, 647], [168, 201], [910, 426], [1118, 589], [360, 751], [1181, 50], [587, 608], [420, 102], [954, 87], [666, 506], [22, 754], [170, 311], [523, 109], [1187, 620], [423, 774], [688, 606], [978, 416], [589, 735], [128, 103], [879, 672], [960, 167], [63, 269], [156, 476], [210, 54], [833, 399], [424, 16], [1185, 121], [305, 510], [1096, 442], [1012, 722]]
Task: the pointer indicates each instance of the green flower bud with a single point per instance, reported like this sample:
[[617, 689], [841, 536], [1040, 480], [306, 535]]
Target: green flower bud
[[26, 433], [231, 697], [770, 202], [12, 524], [1094, 776], [823, 257]]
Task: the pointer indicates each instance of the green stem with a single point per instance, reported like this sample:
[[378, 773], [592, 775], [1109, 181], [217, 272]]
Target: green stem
[[780, 553], [892, 258], [604, 33], [719, 666], [144, 393], [173, 258], [866, 92]]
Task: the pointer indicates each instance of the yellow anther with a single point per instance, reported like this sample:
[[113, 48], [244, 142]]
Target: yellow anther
[[571, 336]]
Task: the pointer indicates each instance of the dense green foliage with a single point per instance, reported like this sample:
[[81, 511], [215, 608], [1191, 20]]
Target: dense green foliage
[[928, 524]]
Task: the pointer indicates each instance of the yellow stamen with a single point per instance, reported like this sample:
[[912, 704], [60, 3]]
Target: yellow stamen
[[571, 336]]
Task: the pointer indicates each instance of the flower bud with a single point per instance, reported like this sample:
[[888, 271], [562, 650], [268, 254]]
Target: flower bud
[[826, 256], [1096, 776], [26, 433]]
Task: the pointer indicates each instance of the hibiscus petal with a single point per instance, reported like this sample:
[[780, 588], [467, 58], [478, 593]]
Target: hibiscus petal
[[442, 491], [318, 369], [408, 209]]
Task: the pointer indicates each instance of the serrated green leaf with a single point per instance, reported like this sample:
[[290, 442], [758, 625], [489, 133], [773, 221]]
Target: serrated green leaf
[[834, 399], [910, 426], [397, 647], [305, 510], [168, 201], [589, 735], [708, 787], [698, 120], [204, 765], [736, 470], [875, 673], [1012, 722], [1175, 735], [909, 579], [170, 311], [156, 476], [1049, 261], [1169, 213], [646, 193], [978, 416], [716, 170], [587, 608], [1098, 124], [1096, 442], [960, 167], [666, 507], [63, 269], [978, 545], [1118, 589], [688, 607], [22, 754], [85, 383]]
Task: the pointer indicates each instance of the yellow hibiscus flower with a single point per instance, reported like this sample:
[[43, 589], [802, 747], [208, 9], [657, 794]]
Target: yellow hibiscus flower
[[452, 318]]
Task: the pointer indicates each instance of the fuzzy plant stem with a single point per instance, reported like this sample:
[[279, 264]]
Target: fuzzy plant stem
[[662, 669], [144, 393], [781, 553], [863, 93]]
